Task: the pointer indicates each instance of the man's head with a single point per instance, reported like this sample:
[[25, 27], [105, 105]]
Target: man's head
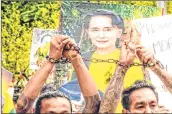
[[48, 87], [53, 102], [103, 27], [140, 98]]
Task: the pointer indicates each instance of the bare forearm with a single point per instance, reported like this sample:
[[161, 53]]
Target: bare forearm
[[113, 92], [165, 77], [87, 85], [38, 80], [84, 77], [33, 88], [92, 104]]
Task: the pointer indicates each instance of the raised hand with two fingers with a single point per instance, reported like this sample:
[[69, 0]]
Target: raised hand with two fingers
[[128, 49]]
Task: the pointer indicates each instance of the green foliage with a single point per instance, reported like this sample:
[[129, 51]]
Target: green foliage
[[18, 21], [169, 7], [42, 51], [139, 3]]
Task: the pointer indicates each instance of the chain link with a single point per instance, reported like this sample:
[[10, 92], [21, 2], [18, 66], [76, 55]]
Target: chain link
[[64, 60]]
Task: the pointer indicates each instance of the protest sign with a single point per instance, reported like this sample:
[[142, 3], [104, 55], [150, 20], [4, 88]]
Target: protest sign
[[40, 46], [157, 36]]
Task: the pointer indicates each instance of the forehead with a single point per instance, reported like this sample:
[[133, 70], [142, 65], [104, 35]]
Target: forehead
[[100, 20], [142, 95], [55, 104]]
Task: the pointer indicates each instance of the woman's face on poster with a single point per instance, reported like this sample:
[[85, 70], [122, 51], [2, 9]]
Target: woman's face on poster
[[101, 32]]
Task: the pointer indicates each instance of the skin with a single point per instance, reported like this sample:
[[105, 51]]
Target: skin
[[85, 80], [128, 53], [146, 102], [57, 45], [112, 95], [55, 105], [37, 81], [165, 77], [146, 55], [113, 92], [103, 34]]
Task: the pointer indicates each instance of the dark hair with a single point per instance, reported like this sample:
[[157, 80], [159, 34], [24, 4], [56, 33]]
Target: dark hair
[[116, 19], [48, 95], [137, 85], [47, 88]]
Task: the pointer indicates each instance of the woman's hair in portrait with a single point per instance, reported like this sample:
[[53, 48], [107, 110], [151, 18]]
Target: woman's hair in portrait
[[116, 21]]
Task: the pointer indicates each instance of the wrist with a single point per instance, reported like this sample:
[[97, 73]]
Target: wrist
[[49, 63], [155, 63], [76, 61], [121, 69], [52, 60], [47, 66], [71, 56], [124, 64]]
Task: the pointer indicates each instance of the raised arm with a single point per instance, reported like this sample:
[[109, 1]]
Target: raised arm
[[114, 90], [147, 57], [165, 77], [34, 86], [86, 82]]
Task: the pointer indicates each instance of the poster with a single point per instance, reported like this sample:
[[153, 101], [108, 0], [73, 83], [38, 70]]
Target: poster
[[39, 50], [76, 21], [40, 46]]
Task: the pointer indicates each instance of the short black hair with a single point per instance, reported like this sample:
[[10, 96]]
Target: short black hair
[[48, 95], [116, 19], [47, 88], [139, 84]]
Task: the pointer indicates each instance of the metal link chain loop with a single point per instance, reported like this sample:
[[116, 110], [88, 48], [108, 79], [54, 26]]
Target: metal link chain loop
[[64, 60]]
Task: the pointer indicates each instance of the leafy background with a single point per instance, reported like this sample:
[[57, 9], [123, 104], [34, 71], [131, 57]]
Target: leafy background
[[20, 17], [18, 21]]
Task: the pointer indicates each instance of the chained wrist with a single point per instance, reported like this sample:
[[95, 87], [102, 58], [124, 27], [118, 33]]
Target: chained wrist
[[77, 61], [155, 62], [124, 66], [52, 60], [121, 69]]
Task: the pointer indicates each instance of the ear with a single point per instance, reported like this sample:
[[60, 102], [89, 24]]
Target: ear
[[119, 33], [87, 32], [124, 111]]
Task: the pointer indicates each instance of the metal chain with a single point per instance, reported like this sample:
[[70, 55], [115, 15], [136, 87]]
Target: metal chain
[[64, 60]]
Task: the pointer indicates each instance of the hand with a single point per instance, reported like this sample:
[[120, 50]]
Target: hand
[[144, 54], [128, 49], [71, 53], [56, 46]]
